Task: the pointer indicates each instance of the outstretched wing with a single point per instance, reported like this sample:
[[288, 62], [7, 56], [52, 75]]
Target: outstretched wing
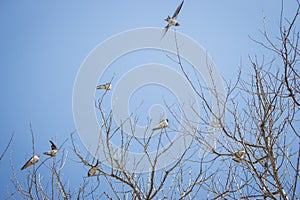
[[177, 10], [53, 146], [166, 30]]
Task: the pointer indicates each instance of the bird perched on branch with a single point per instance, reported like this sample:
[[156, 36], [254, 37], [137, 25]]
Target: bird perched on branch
[[106, 86], [93, 170], [53, 150], [163, 124], [34, 159], [239, 155], [172, 20]]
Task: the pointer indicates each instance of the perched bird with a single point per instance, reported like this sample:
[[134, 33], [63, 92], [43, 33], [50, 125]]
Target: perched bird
[[93, 170], [172, 20], [164, 123], [106, 86], [53, 150], [34, 159], [239, 155]]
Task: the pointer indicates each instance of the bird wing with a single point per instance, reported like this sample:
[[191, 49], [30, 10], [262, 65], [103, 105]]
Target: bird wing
[[166, 30], [53, 146], [100, 87], [177, 10], [160, 125], [47, 153], [237, 159], [28, 163]]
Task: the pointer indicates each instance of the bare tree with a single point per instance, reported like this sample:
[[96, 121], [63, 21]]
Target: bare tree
[[255, 153], [36, 184], [257, 150], [179, 180]]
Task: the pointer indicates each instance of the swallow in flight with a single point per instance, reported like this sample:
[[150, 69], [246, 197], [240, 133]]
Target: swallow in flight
[[172, 20]]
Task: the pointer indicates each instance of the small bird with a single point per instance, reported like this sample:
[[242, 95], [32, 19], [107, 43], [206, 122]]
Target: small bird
[[172, 20], [106, 86], [164, 123], [53, 150], [93, 170], [239, 155], [34, 159]]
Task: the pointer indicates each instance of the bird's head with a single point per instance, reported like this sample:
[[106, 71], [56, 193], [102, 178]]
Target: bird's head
[[168, 18], [177, 24]]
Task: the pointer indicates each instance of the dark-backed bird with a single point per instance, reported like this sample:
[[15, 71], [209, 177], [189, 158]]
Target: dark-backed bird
[[172, 20], [106, 86], [34, 159], [164, 123], [53, 150]]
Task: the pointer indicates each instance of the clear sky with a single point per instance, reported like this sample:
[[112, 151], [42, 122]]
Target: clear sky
[[43, 44]]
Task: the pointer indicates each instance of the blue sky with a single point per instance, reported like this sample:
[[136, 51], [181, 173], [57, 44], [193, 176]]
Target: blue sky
[[43, 44]]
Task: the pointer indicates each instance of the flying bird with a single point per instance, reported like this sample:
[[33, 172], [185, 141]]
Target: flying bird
[[34, 159], [106, 86], [53, 150], [164, 123], [93, 170], [172, 20], [239, 155]]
